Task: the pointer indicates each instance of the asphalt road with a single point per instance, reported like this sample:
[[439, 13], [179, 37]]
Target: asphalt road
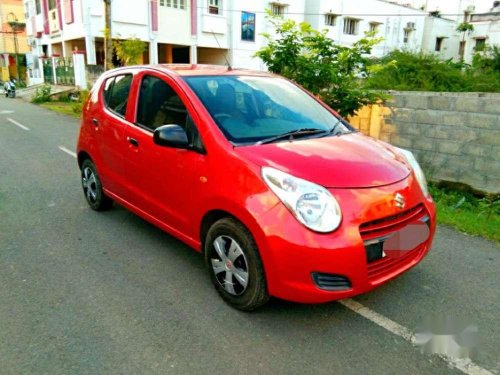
[[85, 293]]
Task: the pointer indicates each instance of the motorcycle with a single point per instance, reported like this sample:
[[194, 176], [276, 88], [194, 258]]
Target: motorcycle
[[9, 88]]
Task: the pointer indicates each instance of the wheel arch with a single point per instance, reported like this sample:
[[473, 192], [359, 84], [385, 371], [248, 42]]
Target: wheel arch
[[82, 156]]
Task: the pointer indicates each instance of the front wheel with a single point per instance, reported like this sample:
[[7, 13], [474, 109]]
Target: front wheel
[[92, 188], [235, 266]]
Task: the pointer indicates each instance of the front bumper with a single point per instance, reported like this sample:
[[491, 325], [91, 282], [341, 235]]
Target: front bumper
[[293, 256]]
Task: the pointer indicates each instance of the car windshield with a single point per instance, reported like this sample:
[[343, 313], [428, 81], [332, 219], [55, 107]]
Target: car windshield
[[250, 109]]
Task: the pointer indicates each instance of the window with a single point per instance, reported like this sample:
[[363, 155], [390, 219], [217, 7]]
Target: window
[[52, 4], [248, 26], [214, 6], [278, 9], [374, 27], [249, 109], [160, 105], [351, 26], [116, 90], [407, 35], [439, 44], [178, 4], [330, 19], [480, 44], [38, 6]]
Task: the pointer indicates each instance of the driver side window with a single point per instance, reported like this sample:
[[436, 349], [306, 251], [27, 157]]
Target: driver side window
[[160, 105]]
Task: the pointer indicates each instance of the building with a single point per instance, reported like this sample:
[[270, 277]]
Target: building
[[13, 42], [486, 32]]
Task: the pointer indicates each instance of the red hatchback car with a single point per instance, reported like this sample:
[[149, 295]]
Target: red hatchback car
[[281, 195]]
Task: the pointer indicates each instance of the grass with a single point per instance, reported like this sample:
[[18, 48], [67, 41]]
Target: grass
[[66, 108], [468, 213]]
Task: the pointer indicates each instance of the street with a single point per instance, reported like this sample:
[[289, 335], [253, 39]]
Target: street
[[83, 292]]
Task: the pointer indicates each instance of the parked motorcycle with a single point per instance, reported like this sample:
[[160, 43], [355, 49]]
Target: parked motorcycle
[[9, 88]]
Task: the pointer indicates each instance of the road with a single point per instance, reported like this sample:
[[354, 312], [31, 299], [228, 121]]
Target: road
[[83, 292]]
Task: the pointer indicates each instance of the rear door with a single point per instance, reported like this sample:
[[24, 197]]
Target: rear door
[[161, 180], [109, 123]]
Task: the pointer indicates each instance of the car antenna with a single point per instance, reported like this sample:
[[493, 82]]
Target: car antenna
[[225, 55]]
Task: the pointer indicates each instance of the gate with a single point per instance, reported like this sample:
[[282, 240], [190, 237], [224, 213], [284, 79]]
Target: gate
[[65, 72], [48, 73]]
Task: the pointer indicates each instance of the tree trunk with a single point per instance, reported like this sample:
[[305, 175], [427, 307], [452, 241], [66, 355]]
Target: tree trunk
[[108, 46]]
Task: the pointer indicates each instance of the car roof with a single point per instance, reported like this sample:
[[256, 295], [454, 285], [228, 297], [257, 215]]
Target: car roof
[[200, 70]]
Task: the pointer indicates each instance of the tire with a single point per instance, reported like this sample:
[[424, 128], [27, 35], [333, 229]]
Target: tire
[[92, 188], [227, 268]]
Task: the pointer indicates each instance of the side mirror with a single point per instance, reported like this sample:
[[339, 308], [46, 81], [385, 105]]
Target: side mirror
[[171, 136]]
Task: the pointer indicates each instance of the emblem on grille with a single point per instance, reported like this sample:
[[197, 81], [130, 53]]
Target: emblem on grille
[[399, 200]]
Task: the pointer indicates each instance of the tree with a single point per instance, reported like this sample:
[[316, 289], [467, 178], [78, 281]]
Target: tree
[[464, 28], [313, 60], [129, 51], [108, 46]]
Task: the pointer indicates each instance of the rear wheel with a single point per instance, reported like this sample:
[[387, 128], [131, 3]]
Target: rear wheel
[[235, 266], [92, 188]]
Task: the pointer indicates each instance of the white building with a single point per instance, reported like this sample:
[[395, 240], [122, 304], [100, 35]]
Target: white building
[[216, 31]]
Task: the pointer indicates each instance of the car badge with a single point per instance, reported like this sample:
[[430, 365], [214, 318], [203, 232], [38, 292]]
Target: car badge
[[399, 200]]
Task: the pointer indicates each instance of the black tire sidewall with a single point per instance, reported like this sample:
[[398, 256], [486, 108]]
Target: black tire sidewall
[[100, 197], [256, 293]]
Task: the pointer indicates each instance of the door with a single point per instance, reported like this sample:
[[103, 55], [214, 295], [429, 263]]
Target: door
[[160, 180], [109, 124]]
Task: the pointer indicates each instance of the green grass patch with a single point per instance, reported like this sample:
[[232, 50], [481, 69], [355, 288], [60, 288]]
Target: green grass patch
[[66, 108], [479, 216]]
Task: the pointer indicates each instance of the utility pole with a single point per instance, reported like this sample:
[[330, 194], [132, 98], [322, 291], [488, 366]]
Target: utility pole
[[108, 42]]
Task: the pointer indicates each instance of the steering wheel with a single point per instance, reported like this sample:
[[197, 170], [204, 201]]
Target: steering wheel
[[222, 116]]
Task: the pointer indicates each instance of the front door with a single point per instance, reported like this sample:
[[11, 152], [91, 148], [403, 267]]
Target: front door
[[161, 179]]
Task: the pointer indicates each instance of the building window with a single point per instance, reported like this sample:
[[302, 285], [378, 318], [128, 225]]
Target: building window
[[38, 6], [374, 27], [439, 44], [248, 26], [330, 19], [214, 6], [177, 4], [480, 44], [407, 35], [52, 4], [278, 9], [351, 26]]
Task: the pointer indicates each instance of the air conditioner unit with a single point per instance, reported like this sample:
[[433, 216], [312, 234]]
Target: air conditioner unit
[[410, 25]]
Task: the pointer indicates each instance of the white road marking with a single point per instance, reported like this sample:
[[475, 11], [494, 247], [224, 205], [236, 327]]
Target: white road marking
[[6, 112], [465, 365], [68, 151], [19, 125]]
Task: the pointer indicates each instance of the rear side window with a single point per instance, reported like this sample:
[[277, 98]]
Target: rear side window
[[116, 91]]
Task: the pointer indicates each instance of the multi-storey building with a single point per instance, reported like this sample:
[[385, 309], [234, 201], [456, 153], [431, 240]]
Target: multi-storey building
[[218, 31], [12, 39]]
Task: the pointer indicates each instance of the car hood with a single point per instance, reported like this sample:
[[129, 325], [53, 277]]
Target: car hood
[[347, 161]]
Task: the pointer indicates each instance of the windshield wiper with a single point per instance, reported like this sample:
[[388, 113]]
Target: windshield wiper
[[292, 135]]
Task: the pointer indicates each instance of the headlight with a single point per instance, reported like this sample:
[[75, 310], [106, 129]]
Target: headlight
[[311, 204], [419, 174]]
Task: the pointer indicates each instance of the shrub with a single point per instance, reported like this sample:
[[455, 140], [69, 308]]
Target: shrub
[[408, 71], [310, 58], [42, 94]]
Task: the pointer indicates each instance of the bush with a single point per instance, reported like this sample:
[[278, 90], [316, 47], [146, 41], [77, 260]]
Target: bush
[[408, 71], [310, 58], [42, 94]]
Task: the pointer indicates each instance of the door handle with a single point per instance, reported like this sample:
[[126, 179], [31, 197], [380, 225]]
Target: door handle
[[95, 122], [133, 141]]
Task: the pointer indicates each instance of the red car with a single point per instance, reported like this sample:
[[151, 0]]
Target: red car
[[281, 195]]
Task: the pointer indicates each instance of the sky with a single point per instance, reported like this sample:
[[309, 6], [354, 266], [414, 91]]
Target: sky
[[450, 6]]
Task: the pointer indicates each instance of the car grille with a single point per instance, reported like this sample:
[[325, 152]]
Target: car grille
[[374, 233], [380, 227], [328, 281]]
